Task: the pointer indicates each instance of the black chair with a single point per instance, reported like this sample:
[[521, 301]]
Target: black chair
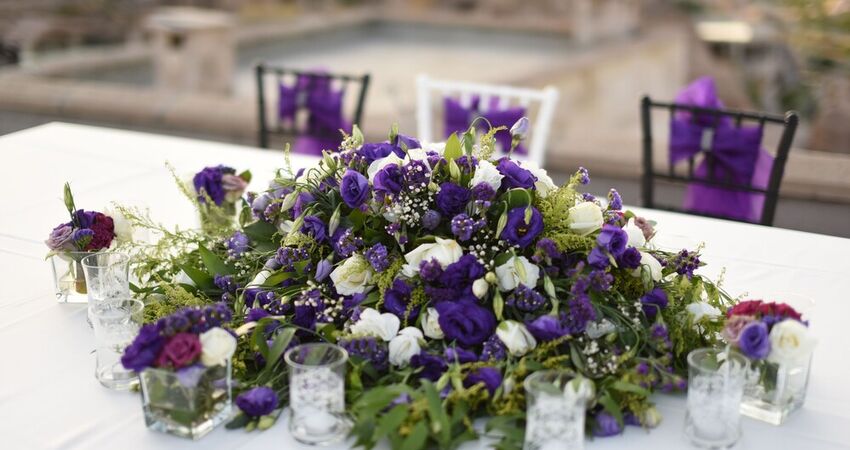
[[719, 180], [273, 126]]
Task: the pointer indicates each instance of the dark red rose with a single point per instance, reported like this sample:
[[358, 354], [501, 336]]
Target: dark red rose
[[180, 351]]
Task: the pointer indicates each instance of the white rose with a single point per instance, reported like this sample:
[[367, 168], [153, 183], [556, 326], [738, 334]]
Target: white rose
[[544, 183], [480, 287], [518, 270], [702, 309], [380, 163], [217, 346], [431, 323], [122, 227], [636, 237], [516, 337], [585, 218], [650, 263], [353, 276], [486, 172], [790, 343], [445, 251], [372, 323], [404, 346]]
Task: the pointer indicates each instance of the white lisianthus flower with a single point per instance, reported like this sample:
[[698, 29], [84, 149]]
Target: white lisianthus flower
[[700, 310], [183, 278], [516, 271], [516, 337], [445, 251], [486, 172], [404, 346], [372, 323], [636, 237], [431, 323], [123, 229], [650, 263], [217, 346], [379, 164], [480, 287], [585, 218], [415, 154], [436, 147], [353, 276], [544, 183], [790, 342], [260, 278]]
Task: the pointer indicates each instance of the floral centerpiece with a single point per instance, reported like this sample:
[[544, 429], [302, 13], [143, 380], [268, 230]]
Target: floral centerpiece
[[778, 343], [184, 364], [449, 275], [218, 190], [85, 233]]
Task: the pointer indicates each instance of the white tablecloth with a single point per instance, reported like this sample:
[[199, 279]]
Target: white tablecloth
[[49, 397]]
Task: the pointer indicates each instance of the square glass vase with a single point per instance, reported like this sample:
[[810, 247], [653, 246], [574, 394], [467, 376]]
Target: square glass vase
[[69, 278], [774, 391], [189, 404]]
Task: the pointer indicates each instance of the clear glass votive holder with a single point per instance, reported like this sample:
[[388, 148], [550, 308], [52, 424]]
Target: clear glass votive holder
[[317, 393], [715, 389], [116, 323], [189, 402], [107, 277], [69, 279], [556, 401]]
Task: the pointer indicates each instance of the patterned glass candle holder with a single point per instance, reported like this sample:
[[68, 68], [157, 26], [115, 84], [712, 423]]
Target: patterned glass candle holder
[[107, 277], [189, 402], [115, 323], [69, 278], [556, 402], [715, 388], [317, 393]]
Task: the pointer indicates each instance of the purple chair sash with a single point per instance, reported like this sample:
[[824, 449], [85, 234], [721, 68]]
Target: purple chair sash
[[457, 118], [736, 152], [324, 107]]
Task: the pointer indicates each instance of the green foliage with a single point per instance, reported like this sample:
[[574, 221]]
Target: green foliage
[[175, 298]]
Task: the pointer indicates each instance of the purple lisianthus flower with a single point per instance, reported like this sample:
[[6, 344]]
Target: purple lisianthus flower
[[430, 270], [613, 239], [144, 350], [547, 328], [396, 300], [209, 181], [354, 189], [431, 219], [257, 402], [629, 259], [490, 376], [598, 258], [315, 227], [466, 322], [388, 179], [255, 314], [376, 150], [323, 269], [653, 302], [454, 283], [432, 366], [520, 233], [85, 219], [407, 142], [301, 201], [460, 355], [237, 244], [82, 237], [605, 425], [189, 376], [753, 340], [452, 199], [61, 238], [514, 175]]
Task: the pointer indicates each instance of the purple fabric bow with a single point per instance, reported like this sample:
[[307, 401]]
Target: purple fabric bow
[[324, 106], [736, 152], [458, 118]]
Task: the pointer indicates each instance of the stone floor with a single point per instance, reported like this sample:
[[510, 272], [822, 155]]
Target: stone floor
[[812, 216]]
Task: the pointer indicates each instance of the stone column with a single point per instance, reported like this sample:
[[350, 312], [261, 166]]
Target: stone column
[[193, 49]]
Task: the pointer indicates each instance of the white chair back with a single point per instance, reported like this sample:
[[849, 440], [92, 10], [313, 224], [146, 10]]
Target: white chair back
[[507, 96]]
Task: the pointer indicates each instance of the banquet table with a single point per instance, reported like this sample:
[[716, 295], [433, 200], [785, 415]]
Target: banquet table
[[49, 397]]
